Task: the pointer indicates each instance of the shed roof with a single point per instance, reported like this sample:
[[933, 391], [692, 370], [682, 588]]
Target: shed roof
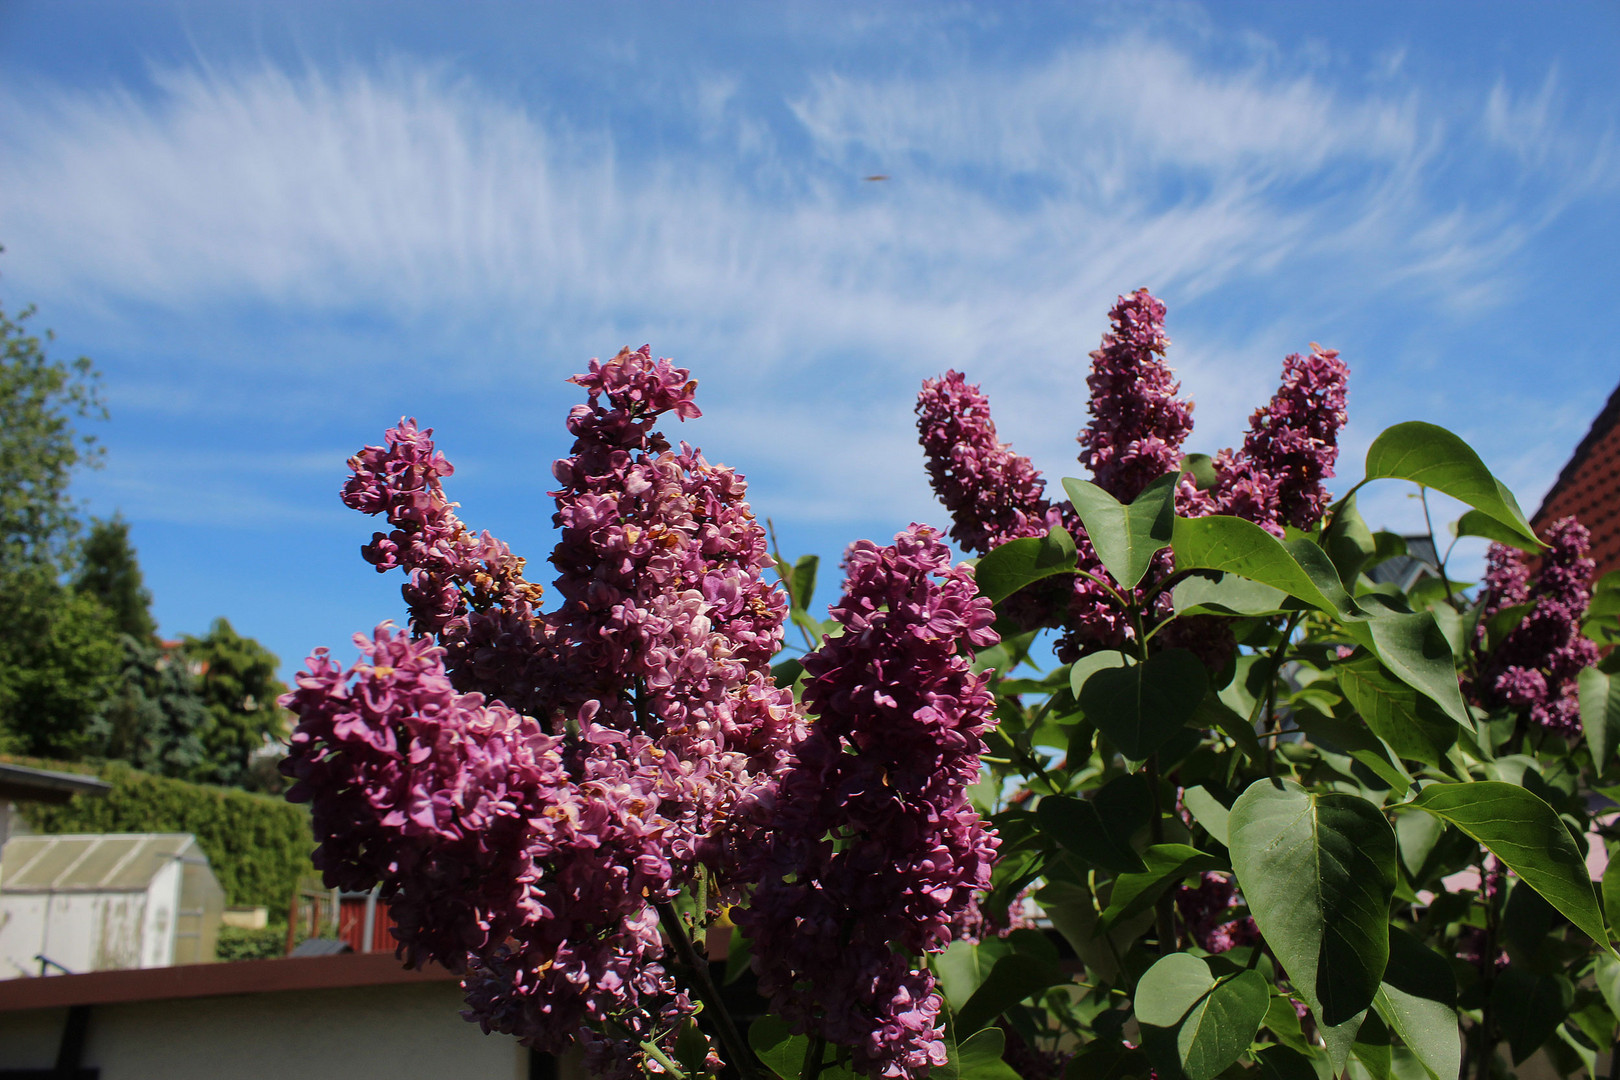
[[46, 785], [119, 862]]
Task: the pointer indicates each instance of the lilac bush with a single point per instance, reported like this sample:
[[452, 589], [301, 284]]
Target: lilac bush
[[562, 794]]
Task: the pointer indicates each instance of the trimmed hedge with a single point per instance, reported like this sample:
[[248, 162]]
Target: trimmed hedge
[[258, 846]]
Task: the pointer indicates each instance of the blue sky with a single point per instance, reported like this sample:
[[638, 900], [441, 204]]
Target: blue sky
[[279, 227]]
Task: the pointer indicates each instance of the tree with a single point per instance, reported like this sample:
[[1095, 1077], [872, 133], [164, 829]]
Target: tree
[[237, 677], [39, 447], [109, 572], [59, 661], [154, 714]]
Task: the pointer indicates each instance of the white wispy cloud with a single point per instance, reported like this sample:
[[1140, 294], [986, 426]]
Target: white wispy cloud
[[1021, 201]]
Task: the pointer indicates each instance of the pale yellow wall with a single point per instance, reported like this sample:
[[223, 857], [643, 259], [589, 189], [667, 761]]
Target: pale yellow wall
[[411, 1031]]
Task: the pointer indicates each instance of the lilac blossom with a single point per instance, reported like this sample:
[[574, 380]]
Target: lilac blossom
[[1137, 422], [883, 773], [1535, 668], [524, 836], [466, 590], [993, 494], [1208, 910], [1291, 447]]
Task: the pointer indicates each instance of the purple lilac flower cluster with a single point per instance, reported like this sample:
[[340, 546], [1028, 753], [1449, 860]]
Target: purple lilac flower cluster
[[423, 789], [467, 591], [993, 494], [636, 737], [1291, 446], [875, 851], [1207, 909], [1534, 670], [1135, 435], [1137, 422]]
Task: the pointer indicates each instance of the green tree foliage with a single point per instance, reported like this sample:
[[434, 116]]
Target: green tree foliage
[[39, 447], [154, 714], [59, 661], [58, 652], [258, 846], [239, 687], [108, 571]]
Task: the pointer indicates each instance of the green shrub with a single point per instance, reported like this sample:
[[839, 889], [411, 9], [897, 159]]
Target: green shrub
[[258, 846], [236, 943]]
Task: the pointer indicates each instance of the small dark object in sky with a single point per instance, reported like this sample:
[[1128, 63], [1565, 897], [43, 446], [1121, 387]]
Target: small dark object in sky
[[879, 176]]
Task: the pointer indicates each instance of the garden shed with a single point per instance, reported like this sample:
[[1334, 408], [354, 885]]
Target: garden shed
[[71, 904]]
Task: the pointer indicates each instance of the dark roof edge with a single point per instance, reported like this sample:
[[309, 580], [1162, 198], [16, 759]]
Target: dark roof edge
[[23, 782], [1606, 419], [212, 980]]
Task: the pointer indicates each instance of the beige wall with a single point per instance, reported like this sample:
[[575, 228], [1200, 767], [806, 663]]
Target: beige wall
[[398, 1032]]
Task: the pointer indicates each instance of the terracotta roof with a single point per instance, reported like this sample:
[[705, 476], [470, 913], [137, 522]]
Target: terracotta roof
[[1589, 487], [211, 980]]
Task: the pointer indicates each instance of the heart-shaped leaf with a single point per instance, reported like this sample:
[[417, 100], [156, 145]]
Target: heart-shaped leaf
[[1193, 1023], [1076, 824], [1126, 537], [1409, 723], [1141, 706], [1166, 864], [1015, 977], [1318, 872]]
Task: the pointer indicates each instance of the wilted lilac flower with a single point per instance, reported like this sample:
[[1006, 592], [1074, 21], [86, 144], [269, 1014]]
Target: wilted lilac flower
[[1292, 444], [993, 494], [875, 851], [1137, 422], [1534, 669]]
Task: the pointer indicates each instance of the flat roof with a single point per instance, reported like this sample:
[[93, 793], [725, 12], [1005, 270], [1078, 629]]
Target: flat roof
[[24, 783], [212, 980]]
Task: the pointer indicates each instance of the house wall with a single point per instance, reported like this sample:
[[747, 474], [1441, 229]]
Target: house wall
[[407, 1031]]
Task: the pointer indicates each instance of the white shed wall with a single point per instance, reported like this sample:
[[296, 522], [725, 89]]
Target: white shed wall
[[410, 1031]]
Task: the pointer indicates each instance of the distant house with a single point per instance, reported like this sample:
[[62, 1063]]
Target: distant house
[[1589, 488], [97, 902]]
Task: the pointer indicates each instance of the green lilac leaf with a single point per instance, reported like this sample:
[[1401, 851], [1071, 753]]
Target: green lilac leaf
[[1022, 562], [1208, 811], [1429, 455], [1418, 1001], [1410, 723], [1166, 865], [1414, 649], [1078, 827], [1530, 1007], [1227, 594], [1526, 834], [963, 968], [1140, 707], [1600, 714], [1194, 1023], [1318, 872], [1234, 546], [1126, 537], [1014, 977], [1478, 523]]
